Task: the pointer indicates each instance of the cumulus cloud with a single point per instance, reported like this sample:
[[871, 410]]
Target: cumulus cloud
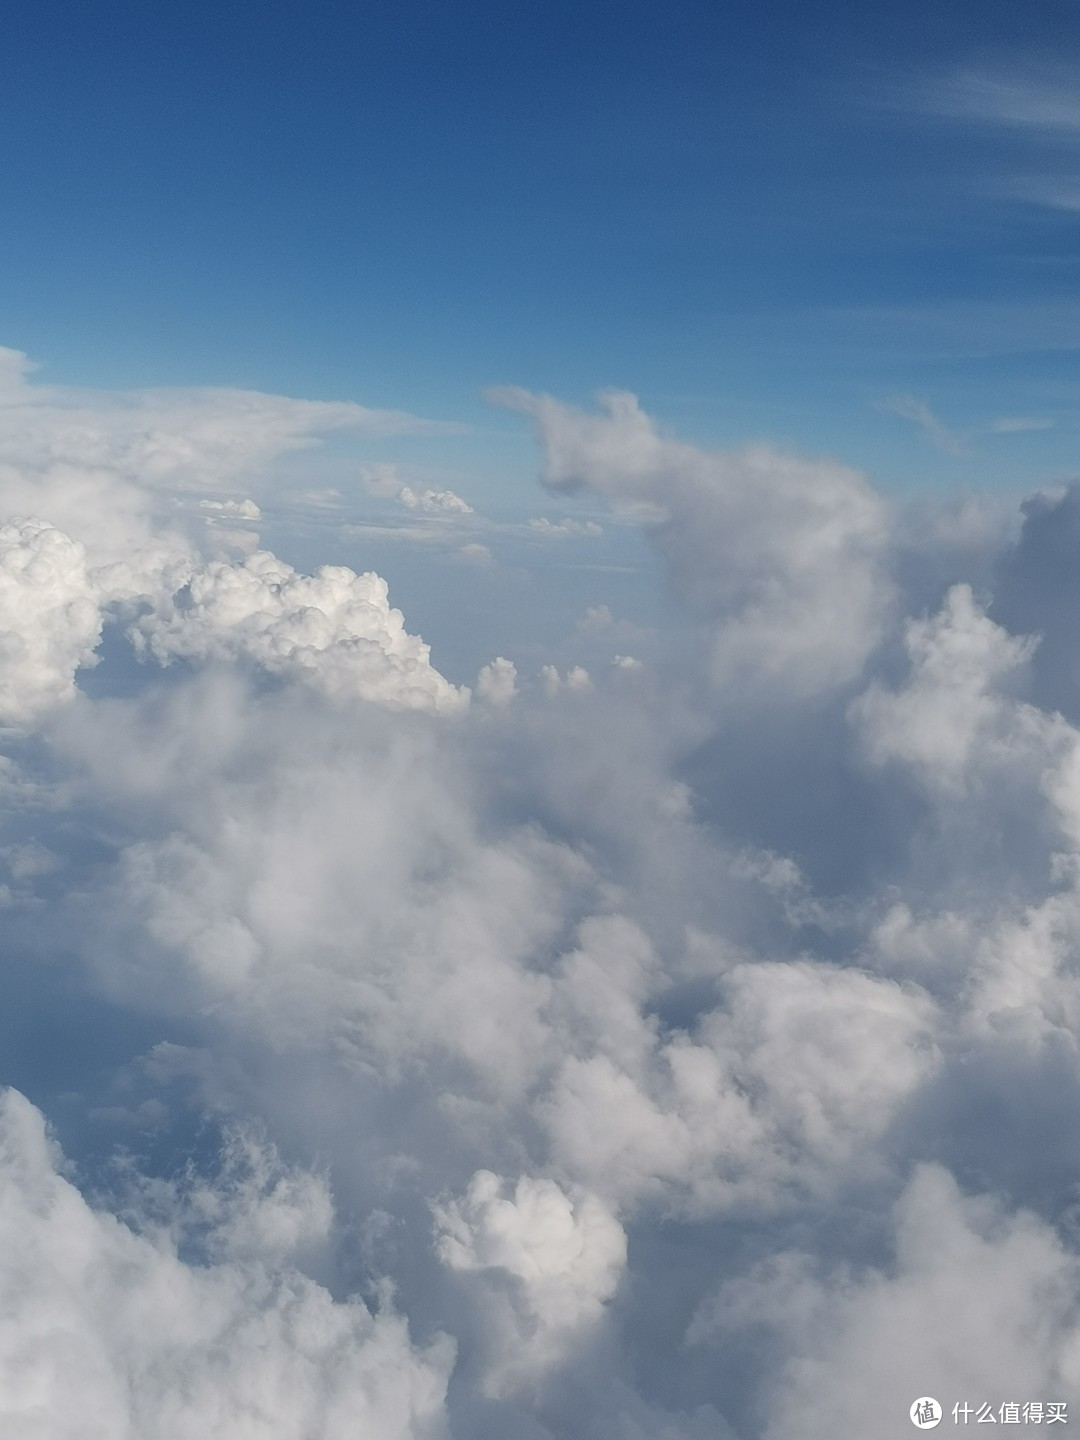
[[107, 1332], [497, 682], [576, 678], [335, 629], [234, 509], [977, 1308], [781, 557], [952, 709], [434, 502], [563, 1259], [683, 1049], [383, 482], [50, 618], [776, 1089]]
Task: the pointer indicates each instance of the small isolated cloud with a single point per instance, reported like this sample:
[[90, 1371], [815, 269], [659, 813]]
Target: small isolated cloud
[[234, 509], [575, 678], [384, 483], [565, 529], [381, 480], [497, 682], [596, 620], [433, 502]]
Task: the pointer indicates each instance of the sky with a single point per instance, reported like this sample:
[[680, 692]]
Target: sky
[[539, 721], [769, 221]]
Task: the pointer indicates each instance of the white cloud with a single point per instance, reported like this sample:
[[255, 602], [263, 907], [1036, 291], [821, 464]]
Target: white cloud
[[433, 502], [677, 991], [576, 678], [185, 438], [234, 509], [563, 1255], [776, 1092], [334, 629], [115, 469], [979, 1307], [50, 618], [108, 1333], [780, 557], [952, 710], [384, 482], [497, 682]]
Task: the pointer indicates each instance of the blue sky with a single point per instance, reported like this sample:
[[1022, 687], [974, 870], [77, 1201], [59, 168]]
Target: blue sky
[[768, 220]]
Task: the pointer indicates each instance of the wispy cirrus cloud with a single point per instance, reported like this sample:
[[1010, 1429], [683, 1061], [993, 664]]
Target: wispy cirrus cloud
[[1037, 98], [910, 407], [958, 443], [1033, 110]]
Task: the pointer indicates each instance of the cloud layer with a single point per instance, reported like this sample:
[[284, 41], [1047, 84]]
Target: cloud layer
[[682, 1048]]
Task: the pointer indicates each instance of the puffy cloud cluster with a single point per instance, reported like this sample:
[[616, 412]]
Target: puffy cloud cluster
[[102, 478], [118, 471], [977, 1303], [108, 1332], [678, 1049], [335, 629]]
